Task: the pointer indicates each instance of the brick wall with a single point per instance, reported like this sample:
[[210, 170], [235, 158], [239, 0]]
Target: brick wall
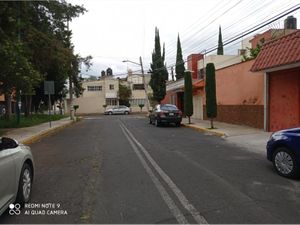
[[249, 115]]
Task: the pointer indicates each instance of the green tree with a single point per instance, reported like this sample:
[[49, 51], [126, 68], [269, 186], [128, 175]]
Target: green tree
[[188, 95], [179, 69], [44, 51], [210, 91], [220, 50], [124, 95], [254, 51], [158, 71]]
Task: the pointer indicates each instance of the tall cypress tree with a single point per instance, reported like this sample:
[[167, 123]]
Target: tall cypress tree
[[220, 50], [210, 91], [188, 95], [179, 69], [158, 70]]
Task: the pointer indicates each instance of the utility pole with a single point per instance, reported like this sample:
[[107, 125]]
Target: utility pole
[[19, 104], [145, 85], [172, 73], [70, 84]]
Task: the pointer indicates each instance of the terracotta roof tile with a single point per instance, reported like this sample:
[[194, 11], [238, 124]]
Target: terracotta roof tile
[[279, 52]]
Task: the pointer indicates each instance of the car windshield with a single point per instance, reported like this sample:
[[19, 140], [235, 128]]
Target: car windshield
[[168, 107]]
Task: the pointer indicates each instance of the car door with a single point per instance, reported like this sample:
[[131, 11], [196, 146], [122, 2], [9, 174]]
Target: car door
[[7, 174]]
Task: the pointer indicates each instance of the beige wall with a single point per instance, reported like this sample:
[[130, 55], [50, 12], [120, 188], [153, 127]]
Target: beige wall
[[92, 101], [220, 61], [89, 105]]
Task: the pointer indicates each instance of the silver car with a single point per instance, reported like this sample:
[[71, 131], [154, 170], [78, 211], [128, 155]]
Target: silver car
[[121, 109], [16, 173]]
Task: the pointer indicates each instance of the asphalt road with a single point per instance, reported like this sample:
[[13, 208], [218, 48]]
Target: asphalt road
[[120, 169]]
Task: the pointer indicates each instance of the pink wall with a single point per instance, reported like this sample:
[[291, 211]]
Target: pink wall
[[237, 85]]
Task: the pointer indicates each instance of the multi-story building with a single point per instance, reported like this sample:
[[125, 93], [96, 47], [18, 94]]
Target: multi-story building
[[105, 92], [97, 94]]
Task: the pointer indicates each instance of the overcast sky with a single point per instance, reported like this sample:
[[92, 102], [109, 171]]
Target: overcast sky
[[115, 30]]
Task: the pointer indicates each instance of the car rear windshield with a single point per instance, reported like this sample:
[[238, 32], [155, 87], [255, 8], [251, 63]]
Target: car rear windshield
[[168, 107]]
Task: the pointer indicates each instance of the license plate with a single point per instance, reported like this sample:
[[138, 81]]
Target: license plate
[[171, 114]]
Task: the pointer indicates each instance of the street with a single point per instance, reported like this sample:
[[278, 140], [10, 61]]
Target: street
[[122, 170]]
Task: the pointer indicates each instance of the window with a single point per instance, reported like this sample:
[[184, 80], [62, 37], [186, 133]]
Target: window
[[168, 107], [94, 88], [111, 87], [137, 101], [138, 87], [111, 101]]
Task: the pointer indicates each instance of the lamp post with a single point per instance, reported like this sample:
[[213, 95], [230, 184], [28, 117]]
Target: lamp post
[[144, 82]]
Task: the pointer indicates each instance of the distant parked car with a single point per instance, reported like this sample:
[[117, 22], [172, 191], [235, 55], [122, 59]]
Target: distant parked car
[[283, 149], [121, 109], [16, 173], [165, 114]]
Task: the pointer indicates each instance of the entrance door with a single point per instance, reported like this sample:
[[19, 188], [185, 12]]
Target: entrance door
[[284, 98]]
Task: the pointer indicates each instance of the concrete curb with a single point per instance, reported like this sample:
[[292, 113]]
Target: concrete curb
[[36, 137], [202, 129]]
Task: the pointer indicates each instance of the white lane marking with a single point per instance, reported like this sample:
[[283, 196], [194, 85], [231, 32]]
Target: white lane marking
[[164, 194], [186, 204]]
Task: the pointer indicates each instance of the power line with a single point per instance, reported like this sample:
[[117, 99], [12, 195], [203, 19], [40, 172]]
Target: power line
[[249, 31]]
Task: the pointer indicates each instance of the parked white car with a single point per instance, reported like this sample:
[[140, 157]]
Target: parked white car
[[120, 109], [16, 173]]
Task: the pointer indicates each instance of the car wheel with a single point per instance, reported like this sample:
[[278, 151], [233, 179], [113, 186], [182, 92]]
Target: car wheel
[[110, 113], [157, 123], [25, 185], [126, 112], [285, 163]]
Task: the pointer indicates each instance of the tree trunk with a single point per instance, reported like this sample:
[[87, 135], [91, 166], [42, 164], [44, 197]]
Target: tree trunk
[[30, 105], [189, 120], [7, 106], [212, 123], [27, 109]]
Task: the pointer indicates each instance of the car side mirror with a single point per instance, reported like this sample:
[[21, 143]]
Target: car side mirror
[[7, 143]]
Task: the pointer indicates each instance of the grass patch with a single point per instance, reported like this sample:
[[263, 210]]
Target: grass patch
[[28, 121]]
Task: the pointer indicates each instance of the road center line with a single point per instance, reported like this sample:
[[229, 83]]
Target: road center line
[[164, 194], [183, 200]]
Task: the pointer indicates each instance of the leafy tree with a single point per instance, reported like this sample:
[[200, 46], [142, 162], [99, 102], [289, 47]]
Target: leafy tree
[[179, 68], [141, 106], [188, 95], [220, 50], [158, 71], [45, 51], [124, 95], [254, 51], [210, 91]]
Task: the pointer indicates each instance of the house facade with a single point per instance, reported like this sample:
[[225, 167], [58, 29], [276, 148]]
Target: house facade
[[96, 94], [105, 92], [247, 93], [280, 61]]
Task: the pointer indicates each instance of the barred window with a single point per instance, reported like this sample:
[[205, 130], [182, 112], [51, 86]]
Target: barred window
[[94, 88], [111, 87], [137, 101], [111, 101], [138, 87]]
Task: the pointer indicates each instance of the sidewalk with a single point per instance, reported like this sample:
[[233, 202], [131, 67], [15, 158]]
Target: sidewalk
[[28, 135], [252, 139]]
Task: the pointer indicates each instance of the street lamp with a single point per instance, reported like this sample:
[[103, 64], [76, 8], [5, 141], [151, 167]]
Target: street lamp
[[144, 82]]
